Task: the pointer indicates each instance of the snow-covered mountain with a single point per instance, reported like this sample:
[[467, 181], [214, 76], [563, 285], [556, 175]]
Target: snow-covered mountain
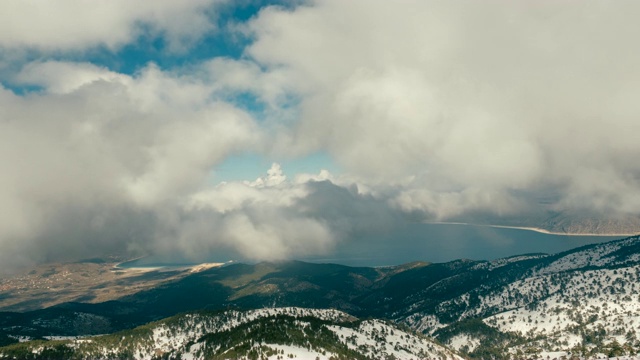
[[583, 302], [273, 333]]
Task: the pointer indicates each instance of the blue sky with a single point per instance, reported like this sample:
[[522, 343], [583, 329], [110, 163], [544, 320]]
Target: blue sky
[[251, 166], [151, 46]]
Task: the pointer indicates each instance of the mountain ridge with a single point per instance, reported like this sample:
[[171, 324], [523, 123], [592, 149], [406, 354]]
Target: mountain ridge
[[458, 302], [251, 334]]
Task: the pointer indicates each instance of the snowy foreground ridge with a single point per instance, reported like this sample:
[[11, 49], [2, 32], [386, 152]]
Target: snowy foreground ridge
[[274, 333]]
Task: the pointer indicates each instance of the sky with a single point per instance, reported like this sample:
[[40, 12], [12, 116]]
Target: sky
[[286, 129]]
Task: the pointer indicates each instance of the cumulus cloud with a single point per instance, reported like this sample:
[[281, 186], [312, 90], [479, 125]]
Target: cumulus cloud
[[95, 140], [261, 219], [466, 102], [75, 25], [105, 162], [64, 77], [274, 177], [273, 218]]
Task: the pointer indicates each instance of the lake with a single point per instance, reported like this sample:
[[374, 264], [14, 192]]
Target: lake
[[446, 242], [421, 242]]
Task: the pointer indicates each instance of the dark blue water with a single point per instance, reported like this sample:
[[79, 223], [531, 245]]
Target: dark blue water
[[446, 242], [422, 242]]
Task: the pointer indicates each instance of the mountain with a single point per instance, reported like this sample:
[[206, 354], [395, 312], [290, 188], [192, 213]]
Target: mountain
[[254, 334], [580, 302], [589, 223], [583, 301], [545, 217]]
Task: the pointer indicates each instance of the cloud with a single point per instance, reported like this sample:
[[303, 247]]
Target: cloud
[[98, 144], [259, 219], [433, 110], [101, 162], [461, 101], [75, 25], [274, 177], [272, 218], [65, 77]]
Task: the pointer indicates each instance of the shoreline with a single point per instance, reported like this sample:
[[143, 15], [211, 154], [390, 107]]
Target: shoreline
[[184, 267], [538, 230]]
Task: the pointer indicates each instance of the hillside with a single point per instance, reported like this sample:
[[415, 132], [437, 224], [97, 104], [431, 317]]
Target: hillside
[[585, 223], [273, 333], [549, 219]]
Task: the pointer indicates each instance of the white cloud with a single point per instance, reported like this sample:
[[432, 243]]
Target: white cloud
[[94, 139], [460, 97], [274, 177], [65, 77], [263, 219], [101, 161], [75, 25]]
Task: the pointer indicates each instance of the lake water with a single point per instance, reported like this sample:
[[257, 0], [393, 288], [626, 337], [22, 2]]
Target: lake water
[[446, 242], [424, 242]]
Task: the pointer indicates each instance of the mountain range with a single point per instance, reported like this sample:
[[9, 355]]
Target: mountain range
[[581, 302]]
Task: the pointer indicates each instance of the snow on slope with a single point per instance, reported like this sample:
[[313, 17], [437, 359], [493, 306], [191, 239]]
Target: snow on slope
[[377, 339], [169, 336], [189, 336], [538, 283], [463, 340], [372, 338], [592, 308], [606, 254], [494, 264]]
